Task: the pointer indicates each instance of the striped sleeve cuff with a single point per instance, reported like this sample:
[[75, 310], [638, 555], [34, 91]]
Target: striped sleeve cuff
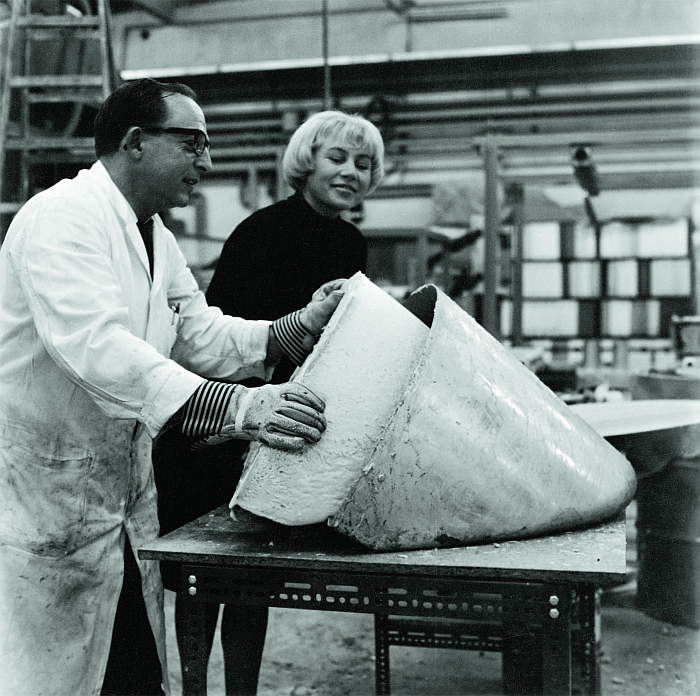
[[205, 411], [293, 337]]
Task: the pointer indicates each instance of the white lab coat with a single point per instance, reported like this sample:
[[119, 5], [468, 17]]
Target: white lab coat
[[85, 383]]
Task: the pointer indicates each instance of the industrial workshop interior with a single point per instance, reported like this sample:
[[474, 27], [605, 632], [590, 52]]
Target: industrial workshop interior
[[542, 171]]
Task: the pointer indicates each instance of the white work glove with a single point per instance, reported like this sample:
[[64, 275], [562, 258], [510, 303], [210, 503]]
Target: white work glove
[[298, 332], [323, 303], [284, 416]]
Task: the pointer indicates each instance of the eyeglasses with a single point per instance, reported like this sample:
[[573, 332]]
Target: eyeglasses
[[199, 144]]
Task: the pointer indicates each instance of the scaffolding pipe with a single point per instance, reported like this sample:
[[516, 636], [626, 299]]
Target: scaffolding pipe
[[490, 317]]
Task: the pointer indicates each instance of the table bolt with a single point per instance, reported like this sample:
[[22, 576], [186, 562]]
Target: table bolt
[[193, 592], [554, 613], [554, 600], [192, 579]]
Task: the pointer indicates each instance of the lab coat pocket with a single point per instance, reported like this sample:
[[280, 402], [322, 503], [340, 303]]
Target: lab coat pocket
[[162, 329], [43, 494]]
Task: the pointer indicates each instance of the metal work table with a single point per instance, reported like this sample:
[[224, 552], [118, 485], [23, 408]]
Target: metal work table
[[536, 601]]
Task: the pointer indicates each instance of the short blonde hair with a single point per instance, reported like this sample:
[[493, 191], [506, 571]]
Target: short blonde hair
[[353, 130]]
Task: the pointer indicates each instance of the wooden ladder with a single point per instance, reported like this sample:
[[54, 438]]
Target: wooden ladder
[[58, 67]]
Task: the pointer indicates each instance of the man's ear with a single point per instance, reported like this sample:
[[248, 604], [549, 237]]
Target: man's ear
[[132, 141]]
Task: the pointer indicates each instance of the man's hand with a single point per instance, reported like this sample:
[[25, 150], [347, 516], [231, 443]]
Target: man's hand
[[323, 303], [284, 416]]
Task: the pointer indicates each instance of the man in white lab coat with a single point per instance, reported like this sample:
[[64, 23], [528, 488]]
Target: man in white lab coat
[[92, 306]]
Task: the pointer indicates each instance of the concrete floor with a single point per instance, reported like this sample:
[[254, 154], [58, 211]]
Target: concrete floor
[[311, 653]]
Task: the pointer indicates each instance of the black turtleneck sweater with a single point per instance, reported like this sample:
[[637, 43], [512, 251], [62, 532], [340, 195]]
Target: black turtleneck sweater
[[275, 259]]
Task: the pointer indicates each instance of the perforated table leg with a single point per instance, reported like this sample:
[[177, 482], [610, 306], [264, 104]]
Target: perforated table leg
[[381, 654], [585, 643], [556, 645]]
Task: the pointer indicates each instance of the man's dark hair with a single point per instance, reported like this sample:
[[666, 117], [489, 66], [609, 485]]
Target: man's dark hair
[[135, 103]]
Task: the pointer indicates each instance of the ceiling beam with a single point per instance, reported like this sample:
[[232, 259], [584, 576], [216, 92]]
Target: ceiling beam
[[410, 76], [620, 137]]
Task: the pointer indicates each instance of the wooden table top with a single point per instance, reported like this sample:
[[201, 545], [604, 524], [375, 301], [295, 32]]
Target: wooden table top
[[593, 555]]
